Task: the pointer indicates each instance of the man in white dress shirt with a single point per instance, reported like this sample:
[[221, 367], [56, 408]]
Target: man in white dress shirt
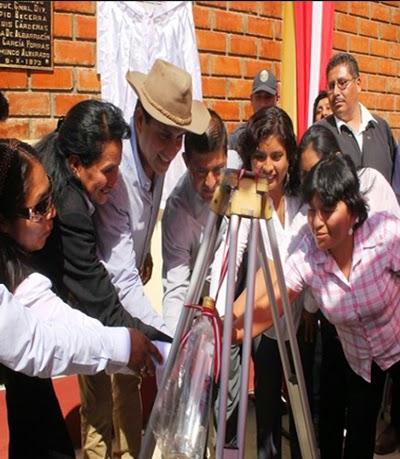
[[164, 112], [186, 213]]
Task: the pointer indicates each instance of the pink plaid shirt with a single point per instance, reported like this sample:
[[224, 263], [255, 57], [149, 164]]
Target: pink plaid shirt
[[366, 307]]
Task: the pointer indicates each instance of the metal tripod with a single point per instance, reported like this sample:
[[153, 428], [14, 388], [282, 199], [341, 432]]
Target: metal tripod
[[243, 195]]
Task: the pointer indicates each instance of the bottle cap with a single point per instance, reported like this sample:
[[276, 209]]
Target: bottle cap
[[208, 302]]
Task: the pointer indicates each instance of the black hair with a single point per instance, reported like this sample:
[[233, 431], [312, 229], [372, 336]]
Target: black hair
[[335, 179], [264, 123], [321, 95], [346, 59], [213, 139], [16, 160], [4, 108], [82, 133]]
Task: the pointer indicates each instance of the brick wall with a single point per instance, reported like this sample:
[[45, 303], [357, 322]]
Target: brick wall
[[37, 98], [235, 40]]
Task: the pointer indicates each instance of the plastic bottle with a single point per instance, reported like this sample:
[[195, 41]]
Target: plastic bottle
[[182, 412]]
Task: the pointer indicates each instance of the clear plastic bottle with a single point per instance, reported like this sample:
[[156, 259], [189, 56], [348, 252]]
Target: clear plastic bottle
[[183, 409]]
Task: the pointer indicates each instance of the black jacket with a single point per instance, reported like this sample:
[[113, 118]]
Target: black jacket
[[70, 260], [378, 145]]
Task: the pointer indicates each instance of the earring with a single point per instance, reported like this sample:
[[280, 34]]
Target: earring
[[351, 231]]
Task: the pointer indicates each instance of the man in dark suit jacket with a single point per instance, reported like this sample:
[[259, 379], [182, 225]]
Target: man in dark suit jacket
[[365, 137]]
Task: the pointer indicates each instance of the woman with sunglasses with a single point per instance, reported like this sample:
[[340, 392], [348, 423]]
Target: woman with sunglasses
[[36, 424], [82, 157]]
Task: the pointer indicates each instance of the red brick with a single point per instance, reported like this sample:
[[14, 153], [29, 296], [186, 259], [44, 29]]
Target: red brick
[[229, 110], [13, 79], [271, 50], [228, 66], [346, 22], [278, 30], [376, 83], [239, 89], [231, 126], [367, 64], [388, 67], [368, 28], [384, 102], [252, 66], [342, 6], [211, 41], [243, 46], [388, 32], [63, 102], [359, 44], [380, 48], [59, 78], [394, 121], [247, 110], [228, 22], [40, 128], [396, 16], [260, 26], [360, 9], [85, 27], [271, 9], [205, 64], [380, 12], [74, 53], [250, 7], [88, 80], [214, 87], [341, 41], [14, 128], [368, 99], [29, 103], [395, 50], [76, 7], [200, 16], [393, 85], [62, 25]]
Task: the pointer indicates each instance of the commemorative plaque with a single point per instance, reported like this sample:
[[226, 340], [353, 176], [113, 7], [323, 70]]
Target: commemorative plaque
[[26, 34]]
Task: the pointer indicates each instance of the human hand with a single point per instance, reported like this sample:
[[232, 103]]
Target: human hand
[[147, 269], [143, 352]]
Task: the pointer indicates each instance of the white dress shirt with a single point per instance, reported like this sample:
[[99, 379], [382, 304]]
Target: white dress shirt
[[40, 335], [124, 227]]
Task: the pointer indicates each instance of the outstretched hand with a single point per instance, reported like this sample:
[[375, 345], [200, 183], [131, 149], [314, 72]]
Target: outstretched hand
[[143, 354]]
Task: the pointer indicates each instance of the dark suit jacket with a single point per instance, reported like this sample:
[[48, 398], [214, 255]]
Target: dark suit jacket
[[70, 260], [378, 149]]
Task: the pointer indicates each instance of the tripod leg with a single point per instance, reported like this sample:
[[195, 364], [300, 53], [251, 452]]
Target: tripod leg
[[227, 337], [295, 381], [195, 288], [246, 350]]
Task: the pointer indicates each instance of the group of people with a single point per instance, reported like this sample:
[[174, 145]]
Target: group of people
[[77, 214]]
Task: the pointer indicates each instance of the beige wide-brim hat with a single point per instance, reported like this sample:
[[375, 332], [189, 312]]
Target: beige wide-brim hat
[[166, 95]]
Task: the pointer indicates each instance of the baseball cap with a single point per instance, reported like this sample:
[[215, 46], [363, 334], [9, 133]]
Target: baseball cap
[[264, 81]]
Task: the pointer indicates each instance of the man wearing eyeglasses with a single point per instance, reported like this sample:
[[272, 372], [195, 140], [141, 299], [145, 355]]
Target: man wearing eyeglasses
[[186, 213], [365, 137], [369, 142]]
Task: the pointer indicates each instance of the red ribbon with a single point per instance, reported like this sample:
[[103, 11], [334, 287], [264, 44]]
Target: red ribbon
[[216, 322]]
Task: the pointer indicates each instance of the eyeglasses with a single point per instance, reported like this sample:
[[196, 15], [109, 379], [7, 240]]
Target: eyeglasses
[[342, 84], [41, 210]]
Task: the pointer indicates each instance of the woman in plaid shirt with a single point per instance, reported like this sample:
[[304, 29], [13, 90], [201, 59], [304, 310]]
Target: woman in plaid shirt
[[351, 263]]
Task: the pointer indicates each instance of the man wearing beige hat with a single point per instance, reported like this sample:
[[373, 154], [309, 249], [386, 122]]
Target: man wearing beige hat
[[264, 94], [163, 113]]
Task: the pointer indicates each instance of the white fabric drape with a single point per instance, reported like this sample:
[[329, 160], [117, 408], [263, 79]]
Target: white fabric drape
[[130, 36]]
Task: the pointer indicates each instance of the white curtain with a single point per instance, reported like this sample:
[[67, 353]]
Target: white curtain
[[130, 36]]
